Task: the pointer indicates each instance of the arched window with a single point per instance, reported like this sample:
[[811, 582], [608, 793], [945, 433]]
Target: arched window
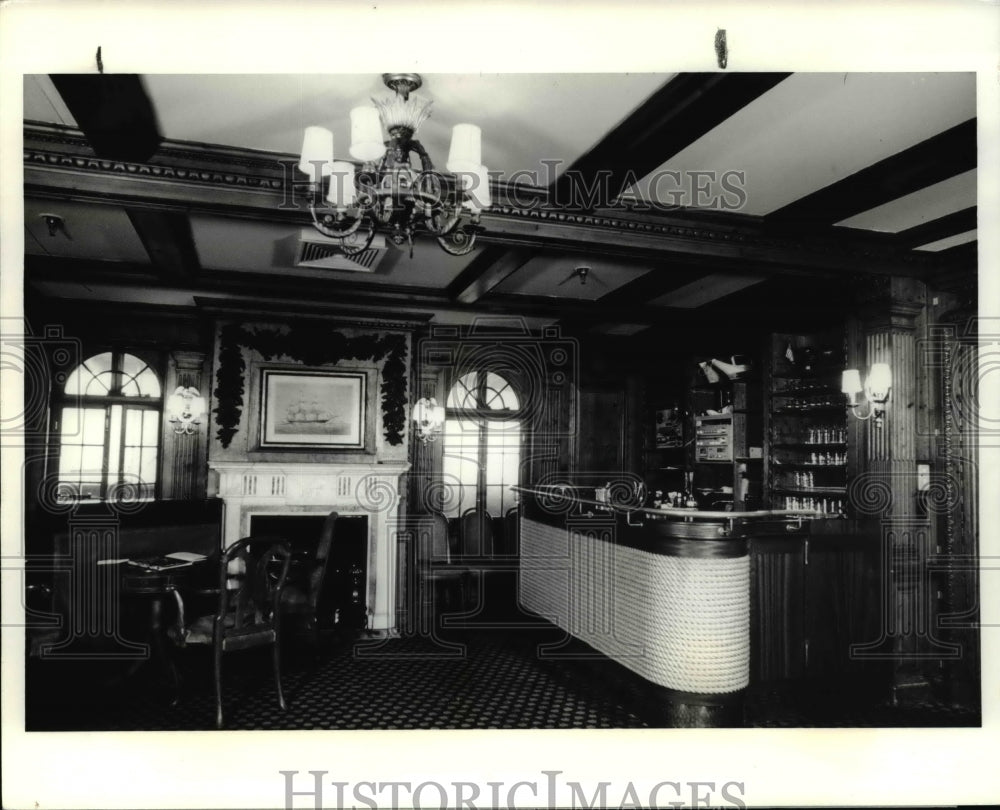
[[482, 443], [109, 428]]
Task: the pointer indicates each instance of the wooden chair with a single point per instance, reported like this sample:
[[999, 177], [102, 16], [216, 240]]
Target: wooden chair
[[303, 594], [511, 531], [438, 574], [476, 532], [252, 575]]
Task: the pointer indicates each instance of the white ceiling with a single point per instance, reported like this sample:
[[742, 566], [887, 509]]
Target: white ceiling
[[810, 130], [814, 129]]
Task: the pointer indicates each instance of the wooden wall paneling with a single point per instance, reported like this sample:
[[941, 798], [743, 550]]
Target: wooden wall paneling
[[602, 436], [184, 458], [777, 609]]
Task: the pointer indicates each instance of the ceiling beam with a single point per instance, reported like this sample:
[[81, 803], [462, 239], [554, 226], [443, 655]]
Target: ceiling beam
[[54, 171], [167, 238], [114, 112], [927, 232], [265, 288], [675, 116], [945, 155], [653, 284], [484, 273], [117, 117]]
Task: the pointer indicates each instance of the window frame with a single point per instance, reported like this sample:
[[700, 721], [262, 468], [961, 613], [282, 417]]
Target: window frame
[[81, 402], [482, 415]]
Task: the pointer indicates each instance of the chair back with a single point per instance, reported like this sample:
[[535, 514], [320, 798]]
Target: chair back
[[252, 575], [321, 560], [432, 543], [477, 533], [511, 530]]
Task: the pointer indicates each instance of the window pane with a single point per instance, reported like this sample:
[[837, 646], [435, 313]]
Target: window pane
[[98, 377], [460, 464], [93, 426], [114, 442], [150, 428], [100, 385], [99, 363], [463, 392], [147, 465], [69, 462], [92, 461], [138, 379], [499, 394], [77, 381], [149, 384], [70, 427], [503, 452], [133, 427], [130, 464]]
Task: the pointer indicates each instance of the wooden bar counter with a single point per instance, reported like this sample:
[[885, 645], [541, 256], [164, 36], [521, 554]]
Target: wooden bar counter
[[664, 593]]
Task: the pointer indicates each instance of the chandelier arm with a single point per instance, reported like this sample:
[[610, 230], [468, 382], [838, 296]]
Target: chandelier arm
[[324, 225], [458, 242], [426, 164], [352, 248]]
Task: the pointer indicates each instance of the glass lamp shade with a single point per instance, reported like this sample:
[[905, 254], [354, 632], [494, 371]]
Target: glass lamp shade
[[850, 382], [428, 413], [341, 190], [198, 406], [366, 134], [466, 153], [879, 382], [317, 149], [185, 404], [477, 184], [175, 405]]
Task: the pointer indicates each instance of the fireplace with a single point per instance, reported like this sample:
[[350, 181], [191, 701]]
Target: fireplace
[[258, 489], [345, 585]]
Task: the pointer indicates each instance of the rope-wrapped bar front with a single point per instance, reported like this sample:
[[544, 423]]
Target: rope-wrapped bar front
[[679, 620]]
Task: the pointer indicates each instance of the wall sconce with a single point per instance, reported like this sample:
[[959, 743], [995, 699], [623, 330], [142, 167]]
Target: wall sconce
[[184, 408], [876, 390], [428, 419]]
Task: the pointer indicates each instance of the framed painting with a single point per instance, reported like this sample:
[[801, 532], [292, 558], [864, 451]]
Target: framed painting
[[312, 409]]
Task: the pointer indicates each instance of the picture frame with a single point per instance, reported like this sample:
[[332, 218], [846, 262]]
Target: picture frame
[[669, 429], [312, 409]]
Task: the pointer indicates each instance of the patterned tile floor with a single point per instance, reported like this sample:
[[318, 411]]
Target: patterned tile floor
[[484, 679]]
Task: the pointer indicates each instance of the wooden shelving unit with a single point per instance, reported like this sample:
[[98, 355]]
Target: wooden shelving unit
[[806, 432]]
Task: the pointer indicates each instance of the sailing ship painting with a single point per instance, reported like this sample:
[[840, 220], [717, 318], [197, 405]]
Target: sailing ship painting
[[313, 409]]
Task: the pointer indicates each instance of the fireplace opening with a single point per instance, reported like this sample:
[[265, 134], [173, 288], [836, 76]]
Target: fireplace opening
[[344, 598]]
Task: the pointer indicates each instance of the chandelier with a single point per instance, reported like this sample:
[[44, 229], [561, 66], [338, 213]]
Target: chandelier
[[387, 192]]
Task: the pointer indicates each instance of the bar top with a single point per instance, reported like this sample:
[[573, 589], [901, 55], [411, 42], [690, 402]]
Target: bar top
[[672, 513]]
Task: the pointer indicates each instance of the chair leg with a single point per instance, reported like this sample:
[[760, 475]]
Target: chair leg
[[218, 687], [276, 658]]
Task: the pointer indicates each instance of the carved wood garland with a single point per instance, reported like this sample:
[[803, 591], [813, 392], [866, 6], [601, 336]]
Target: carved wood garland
[[312, 345]]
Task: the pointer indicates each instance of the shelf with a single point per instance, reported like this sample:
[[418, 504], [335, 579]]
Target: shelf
[[808, 444], [810, 465], [807, 411], [811, 490], [805, 392], [817, 373]]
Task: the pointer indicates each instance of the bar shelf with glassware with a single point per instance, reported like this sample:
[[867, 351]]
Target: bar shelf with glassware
[[806, 457]]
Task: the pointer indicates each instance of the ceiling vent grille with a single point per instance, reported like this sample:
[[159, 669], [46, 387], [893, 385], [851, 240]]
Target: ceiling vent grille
[[325, 254]]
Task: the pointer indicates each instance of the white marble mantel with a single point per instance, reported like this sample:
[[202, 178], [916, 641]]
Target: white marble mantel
[[295, 488]]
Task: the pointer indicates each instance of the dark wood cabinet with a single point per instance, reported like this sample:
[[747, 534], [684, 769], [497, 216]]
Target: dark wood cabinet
[[813, 596], [777, 608]]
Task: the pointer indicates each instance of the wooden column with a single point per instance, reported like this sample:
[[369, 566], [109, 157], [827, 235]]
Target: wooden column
[[894, 323], [184, 459]]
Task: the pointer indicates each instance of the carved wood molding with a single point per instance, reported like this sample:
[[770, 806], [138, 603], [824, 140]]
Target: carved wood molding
[[312, 344], [247, 183]]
